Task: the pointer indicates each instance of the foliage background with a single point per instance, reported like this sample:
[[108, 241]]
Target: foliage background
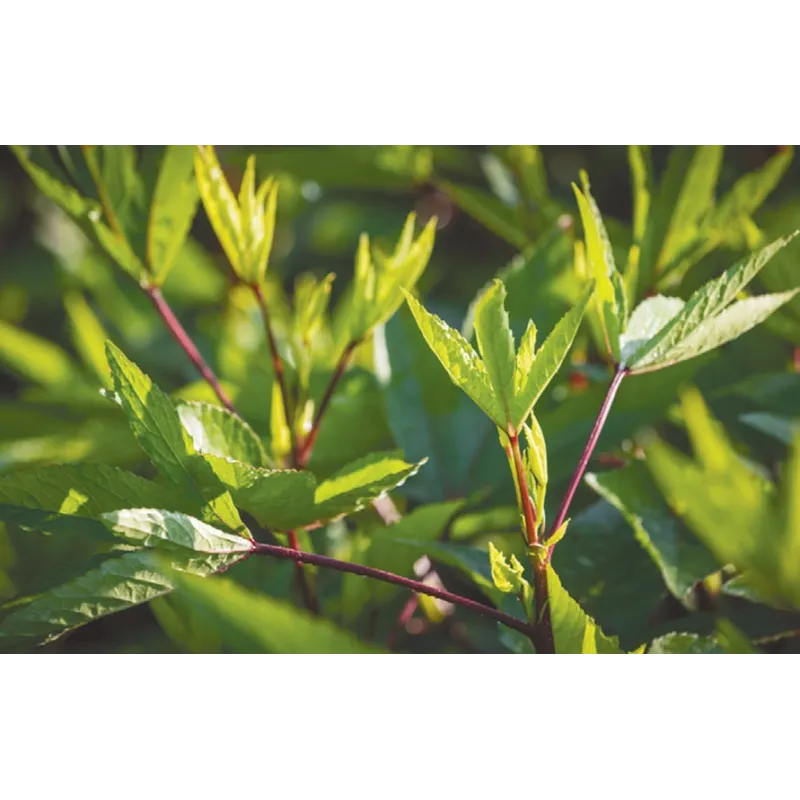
[[328, 197]]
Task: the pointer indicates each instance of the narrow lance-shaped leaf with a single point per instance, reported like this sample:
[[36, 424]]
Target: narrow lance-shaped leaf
[[600, 256], [496, 343], [219, 202], [173, 207], [459, 359], [548, 359]]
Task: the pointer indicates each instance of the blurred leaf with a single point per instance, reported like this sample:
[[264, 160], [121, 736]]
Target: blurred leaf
[[247, 622], [681, 559], [174, 205], [35, 358], [683, 644], [489, 212], [88, 336]]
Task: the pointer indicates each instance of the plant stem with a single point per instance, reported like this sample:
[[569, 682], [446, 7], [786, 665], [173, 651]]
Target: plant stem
[[602, 416], [309, 598], [307, 447], [542, 628], [184, 340], [276, 551], [277, 366]]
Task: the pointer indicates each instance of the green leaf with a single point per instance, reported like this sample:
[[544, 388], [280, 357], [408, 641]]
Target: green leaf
[[507, 575], [88, 335], [695, 201], [496, 343], [602, 268], [152, 527], [253, 623], [681, 558], [361, 482], [173, 207], [118, 248], [548, 359], [461, 362], [157, 427], [706, 304], [216, 431], [724, 327], [117, 584], [642, 175], [684, 644], [489, 212], [573, 630], [220, 203], [648, 318], [86, 490], [51, 181], [35, 358], [731, 639]]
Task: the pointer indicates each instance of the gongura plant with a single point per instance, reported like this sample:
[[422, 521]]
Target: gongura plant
[[302, 474]]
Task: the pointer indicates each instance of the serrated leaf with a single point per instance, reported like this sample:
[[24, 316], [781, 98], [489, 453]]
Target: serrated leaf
[[253, 623], [549, 358], [496, 343], [86, 490], [117, 584], [152, 527], [648, 318], [570, 622], [157, 426], [219, 202], [173, 207], [361, 482], [216, 431], [602, 267], [680, 557], [705, 304], [507, 575], [459, 359], [722, 328]]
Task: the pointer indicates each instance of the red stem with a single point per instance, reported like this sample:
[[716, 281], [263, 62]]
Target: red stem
[[388, 577], [277, 366], [602, 416], [308, 446], [184, 340], [543, 639]]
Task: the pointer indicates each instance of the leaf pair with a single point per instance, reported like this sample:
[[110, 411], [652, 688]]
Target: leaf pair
[[662, 330], [380, 280], [245, 226], [503, 384]]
